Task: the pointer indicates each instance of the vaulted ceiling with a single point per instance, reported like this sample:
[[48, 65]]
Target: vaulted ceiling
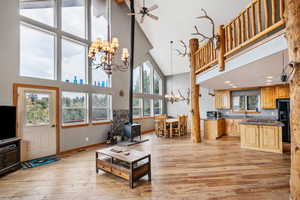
[[176, 22]]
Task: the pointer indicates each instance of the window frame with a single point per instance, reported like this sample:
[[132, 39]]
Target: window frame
[[141, 111], [151, 107], [109, 108], [246, 104], [160, 106]]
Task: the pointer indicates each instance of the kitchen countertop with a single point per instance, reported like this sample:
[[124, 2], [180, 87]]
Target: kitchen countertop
[[262, 122]]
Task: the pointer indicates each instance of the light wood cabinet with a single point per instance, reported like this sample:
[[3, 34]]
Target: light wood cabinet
[[222, 100], [282, 91], [264, 138], [232, 127], [213, 129], [250, 136], [268, 98]]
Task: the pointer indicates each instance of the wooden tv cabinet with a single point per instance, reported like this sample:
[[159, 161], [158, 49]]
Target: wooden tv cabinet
[[10, 155], [130, 165]]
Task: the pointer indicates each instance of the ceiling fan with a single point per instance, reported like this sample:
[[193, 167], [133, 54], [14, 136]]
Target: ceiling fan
[[144, 11]]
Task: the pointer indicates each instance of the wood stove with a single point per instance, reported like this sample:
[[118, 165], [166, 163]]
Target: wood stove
[[132, 130]]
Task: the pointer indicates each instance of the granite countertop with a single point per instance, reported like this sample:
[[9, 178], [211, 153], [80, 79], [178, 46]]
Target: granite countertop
[[262, 122]]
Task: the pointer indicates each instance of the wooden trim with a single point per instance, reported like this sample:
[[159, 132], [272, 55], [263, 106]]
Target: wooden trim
[[82, 148], [74, 126], [141, 118], [16, 86], [148, 131], [101, 123], [205, 67]]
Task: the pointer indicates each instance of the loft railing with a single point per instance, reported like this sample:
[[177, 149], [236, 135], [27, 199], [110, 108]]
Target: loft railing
[[260, 18]]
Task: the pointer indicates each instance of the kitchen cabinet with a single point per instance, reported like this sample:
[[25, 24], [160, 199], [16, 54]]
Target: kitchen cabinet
[[222, 100], [282, 91], [213, 129], [268, 97], [261, 137], [232, 127]]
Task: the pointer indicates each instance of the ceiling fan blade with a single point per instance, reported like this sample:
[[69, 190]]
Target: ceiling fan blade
[[154, 7], [152, 16], [142, 19]]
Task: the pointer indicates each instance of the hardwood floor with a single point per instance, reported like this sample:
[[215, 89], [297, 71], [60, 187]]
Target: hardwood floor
[[180, 170]]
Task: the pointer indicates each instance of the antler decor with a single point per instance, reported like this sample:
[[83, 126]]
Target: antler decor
[[184, 52], [214, 38], [186, 99]]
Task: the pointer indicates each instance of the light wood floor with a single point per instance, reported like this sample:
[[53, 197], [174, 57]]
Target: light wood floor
[[180, 170]]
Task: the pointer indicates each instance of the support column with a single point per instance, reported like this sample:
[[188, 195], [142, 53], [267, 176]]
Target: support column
[[196, 134], [292, 17]]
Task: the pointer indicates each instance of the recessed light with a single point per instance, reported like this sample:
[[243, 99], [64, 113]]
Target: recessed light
[[234, 86], [268, 81], [227, 82], [269, 77]]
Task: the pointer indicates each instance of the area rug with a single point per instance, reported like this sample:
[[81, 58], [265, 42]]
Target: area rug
[[39, 162], [130, 143]]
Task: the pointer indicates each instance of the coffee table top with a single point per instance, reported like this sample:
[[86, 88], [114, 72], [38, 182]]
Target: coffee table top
[[124, 154]]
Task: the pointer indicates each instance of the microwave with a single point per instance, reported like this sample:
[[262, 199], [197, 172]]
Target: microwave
[[213, 115]]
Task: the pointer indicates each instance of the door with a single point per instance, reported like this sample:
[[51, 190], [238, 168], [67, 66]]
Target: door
[[37, 121]]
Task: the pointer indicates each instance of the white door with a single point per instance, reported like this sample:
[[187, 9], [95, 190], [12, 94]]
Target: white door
[[37, 117]]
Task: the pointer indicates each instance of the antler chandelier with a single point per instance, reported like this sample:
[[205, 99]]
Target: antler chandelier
[[102, 52]]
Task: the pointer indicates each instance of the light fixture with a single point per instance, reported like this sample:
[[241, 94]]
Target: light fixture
[[172, 98], [227, 82], [102, 52], [268, 81], [269, 77]]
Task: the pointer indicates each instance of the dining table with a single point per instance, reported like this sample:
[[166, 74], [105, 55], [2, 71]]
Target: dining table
[[171, 122]]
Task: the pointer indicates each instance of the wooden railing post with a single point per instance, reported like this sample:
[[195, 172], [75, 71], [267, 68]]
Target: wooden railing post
[[292, 17], [196, 134], [221, 50]]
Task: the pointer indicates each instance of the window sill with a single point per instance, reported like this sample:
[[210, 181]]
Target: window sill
[[74, 126], [101, 123], [141, 118]]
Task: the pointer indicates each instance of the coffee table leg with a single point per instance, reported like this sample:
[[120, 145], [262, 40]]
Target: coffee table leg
[[149, 172], [130, 177]]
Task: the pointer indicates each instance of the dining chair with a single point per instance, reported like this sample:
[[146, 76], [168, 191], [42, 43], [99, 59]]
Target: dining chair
[[178, 129], [185, 125]]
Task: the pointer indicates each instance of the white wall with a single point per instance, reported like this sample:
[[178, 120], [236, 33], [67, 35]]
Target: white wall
[[9, 71]]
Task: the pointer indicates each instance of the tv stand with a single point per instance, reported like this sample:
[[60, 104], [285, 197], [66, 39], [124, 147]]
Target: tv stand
[[10, 155]]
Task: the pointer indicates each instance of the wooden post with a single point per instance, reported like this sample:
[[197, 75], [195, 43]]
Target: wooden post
[[292, 17], [221, 50], [196, 134]]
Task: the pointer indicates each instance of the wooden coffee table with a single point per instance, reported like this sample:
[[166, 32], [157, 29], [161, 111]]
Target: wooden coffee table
[[126, 163]]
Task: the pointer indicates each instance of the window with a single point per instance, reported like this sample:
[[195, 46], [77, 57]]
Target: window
[[137, 107], [157, 106], [147, 78], [37, 53], [73, 17], [74, 108], [137, 80], [157, 83], [37, 109], [147, 107], [40, 42], [73, 62], [39, 10], [101, 107], [99, 23], [246, 101]]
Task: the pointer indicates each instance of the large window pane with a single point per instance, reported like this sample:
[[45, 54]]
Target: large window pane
[[101, 107], [37, 109], [100, 78], [37, 53], [98, 20], [137, 107], [157, 106], [73, 62], [147, 107], [157, 84], [137, 80], [252, 103], [147, 78], [39, 10], [74, 107], [73, 17]]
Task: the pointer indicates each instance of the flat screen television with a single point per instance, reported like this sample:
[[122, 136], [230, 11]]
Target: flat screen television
[[8, 118]]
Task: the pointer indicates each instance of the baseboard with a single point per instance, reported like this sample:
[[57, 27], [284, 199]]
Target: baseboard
[[148, 131], [81, 148]]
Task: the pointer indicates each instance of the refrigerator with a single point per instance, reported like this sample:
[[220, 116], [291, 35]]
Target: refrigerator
[[283, 106]]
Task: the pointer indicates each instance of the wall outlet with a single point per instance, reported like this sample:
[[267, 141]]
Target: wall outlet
[[87, 139]]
